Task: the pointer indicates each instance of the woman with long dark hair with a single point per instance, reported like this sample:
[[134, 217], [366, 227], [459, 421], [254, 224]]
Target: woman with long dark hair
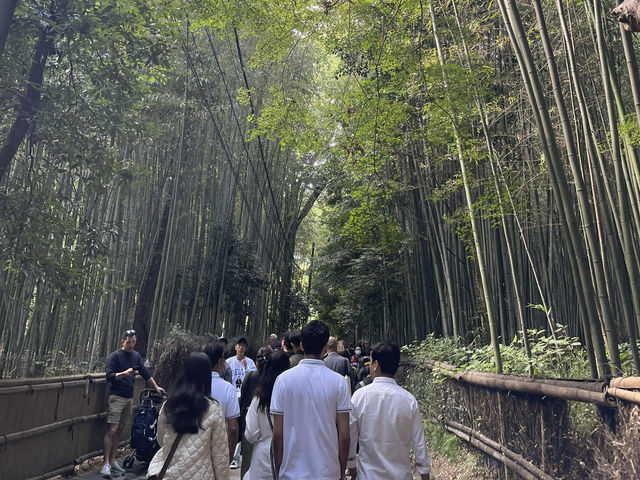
[[259, 423], [202, 451]]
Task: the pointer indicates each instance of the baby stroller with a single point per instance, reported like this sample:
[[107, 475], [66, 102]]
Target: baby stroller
[[145, 428]]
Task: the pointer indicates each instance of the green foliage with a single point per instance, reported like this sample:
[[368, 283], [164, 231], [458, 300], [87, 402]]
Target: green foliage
[[552, 356], [631, 129], [169, 354], [442, 442]]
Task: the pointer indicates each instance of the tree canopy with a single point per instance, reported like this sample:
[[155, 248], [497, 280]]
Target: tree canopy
[[397, 169]]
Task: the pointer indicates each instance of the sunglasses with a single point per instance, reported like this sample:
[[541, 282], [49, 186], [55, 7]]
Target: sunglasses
[[129, 333]]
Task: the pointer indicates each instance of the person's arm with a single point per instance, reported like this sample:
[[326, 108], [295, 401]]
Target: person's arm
[[423, 462], [354, 433], [233, 428], [252, 420], [277, 443], [155, 386], [113, 365], [343, 440], [146, 374]]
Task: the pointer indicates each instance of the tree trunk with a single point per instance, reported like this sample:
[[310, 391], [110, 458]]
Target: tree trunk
[[29, 102], [144, 303], [7, 9]]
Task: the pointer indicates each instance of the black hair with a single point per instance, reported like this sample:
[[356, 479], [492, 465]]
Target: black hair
[[215, 351], [277, 362], [295, 337], [363, 372], [189, 402], [387, 354], [263, 357], [314, 336], [287, 340], [128, 333]]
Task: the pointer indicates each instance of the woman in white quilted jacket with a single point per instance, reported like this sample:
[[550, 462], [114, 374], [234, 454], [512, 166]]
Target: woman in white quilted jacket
[[259, 423], [203, 451]]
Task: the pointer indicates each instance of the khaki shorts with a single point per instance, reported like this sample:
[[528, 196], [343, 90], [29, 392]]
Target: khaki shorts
[[119, 410]]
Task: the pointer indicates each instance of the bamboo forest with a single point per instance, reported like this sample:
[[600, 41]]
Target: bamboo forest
[[460, 177], [397, 169]]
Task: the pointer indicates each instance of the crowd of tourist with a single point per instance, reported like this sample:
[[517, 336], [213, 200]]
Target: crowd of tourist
[[309, 407]]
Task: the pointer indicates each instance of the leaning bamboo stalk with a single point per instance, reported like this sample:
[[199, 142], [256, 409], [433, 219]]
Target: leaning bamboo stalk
[[540, 389], [625, 382], [500, 455], [519, 459], [622, 394], [564, 389]]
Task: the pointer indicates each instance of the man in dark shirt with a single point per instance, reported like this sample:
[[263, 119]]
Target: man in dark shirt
[[334, 361], [226, 372], [298, 350], [122, 366]]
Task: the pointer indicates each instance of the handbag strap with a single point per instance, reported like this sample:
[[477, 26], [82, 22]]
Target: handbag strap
[[169, 457]]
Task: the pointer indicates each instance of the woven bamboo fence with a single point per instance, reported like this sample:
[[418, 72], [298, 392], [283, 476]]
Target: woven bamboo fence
[[524, 423], [48, 425]]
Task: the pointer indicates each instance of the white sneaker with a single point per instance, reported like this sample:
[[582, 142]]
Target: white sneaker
[[105, 471], [116, 468], [233, 465]]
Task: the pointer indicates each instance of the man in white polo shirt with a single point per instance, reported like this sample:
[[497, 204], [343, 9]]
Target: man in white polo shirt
[[224, 393], [310, 405], [386, 420]]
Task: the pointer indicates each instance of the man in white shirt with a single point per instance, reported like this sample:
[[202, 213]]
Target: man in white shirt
[[224, 393], [240, 364], [386, 422], [310, 407]]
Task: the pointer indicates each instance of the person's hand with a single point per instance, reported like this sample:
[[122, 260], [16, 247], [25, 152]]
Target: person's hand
[[130, 371], [244, 362], [160, 390]]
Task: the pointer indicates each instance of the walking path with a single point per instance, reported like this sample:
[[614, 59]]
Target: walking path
[[137, 472]]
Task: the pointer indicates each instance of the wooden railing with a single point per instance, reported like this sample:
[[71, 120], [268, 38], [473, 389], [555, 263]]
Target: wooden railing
[[522, 422], [48, 425]]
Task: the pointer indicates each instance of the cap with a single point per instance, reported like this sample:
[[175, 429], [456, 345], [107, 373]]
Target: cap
[[242, 340]]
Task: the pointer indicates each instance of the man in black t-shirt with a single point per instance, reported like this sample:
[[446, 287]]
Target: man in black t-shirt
[[122, 366]]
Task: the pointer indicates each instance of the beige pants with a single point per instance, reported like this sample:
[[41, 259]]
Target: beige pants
[[119, 410]]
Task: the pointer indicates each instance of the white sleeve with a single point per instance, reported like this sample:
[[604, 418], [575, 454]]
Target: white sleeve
[[354, 432], [344, 399], [251, 366], [233, 406], [423, 462], [277, 398], [252, 428]]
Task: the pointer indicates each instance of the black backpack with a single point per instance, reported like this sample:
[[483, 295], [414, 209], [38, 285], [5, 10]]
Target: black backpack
[[144, 431]]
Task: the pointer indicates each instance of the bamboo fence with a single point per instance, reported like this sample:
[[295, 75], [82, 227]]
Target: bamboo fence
[[49, 425], [507, 400]]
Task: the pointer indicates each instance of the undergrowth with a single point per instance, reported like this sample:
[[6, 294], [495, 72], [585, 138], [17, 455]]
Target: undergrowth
[[556, 355], [590, 447]]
